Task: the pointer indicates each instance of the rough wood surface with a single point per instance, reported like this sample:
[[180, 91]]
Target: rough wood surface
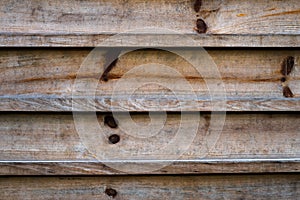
[[43, 80], [88, 23], [193, 167], [149, 40], [282, 186], [49, 144]]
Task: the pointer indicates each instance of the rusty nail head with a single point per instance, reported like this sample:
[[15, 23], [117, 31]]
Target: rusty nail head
[[114, 139], [111, 192], [201, 26]]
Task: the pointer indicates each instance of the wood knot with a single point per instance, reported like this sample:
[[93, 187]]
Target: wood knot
[[111, 192], [283, 79], [110, 121], [114, 139], [201, 26]]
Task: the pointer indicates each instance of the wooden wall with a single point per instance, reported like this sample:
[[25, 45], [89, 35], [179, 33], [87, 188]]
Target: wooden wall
[[245, 147]]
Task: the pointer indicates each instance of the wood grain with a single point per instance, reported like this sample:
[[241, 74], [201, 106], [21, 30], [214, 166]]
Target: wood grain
[[44, 79], [282, 186], [149, 40], [193, 167], [49, 144], [88, 23]]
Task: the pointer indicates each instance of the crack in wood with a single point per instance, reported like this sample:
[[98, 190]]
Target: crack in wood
[[287, 66], [111, 60]]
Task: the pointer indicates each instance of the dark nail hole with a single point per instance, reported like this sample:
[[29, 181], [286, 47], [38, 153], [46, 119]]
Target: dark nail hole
[[110, 121], [114, 139], [287, 92], [197, 5], [287, 65], [201, 26], [283, 79], [111, 192]]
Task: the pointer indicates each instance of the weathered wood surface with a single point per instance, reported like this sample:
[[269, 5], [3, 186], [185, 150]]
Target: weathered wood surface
[[149, 40], [49, 144], [88, 23], [43, 80], [282, 186], [237, 166]]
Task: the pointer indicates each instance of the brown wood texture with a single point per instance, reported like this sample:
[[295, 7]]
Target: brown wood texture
[[237, 166], [149, 40], [63, 147], [43, 80], [89, 23], [282, 186], [249, 143]]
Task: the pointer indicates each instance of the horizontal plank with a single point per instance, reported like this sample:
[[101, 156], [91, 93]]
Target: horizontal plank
[[53, 144], [88, 23], [282, 186], [147, 80], [234, 166], [139, 103], [148, 40]]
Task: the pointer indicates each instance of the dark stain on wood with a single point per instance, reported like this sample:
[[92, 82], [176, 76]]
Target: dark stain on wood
[[207, 118], [201, 26], [110, 121], [118, 76], [71, 17], [111, 60], [111, 192], [70, 76], [114, 139], [50, 171], [270, 9], [197, 5], [287, 92], [293, 12], [287, 65], [283, 79], [104, 76], [206, 13]]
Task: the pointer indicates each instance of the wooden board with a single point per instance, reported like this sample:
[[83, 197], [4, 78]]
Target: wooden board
[[88, 23], [282, 186], [48, 152], [49, 144], [193, 167], [43, 80], [149, 40]]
